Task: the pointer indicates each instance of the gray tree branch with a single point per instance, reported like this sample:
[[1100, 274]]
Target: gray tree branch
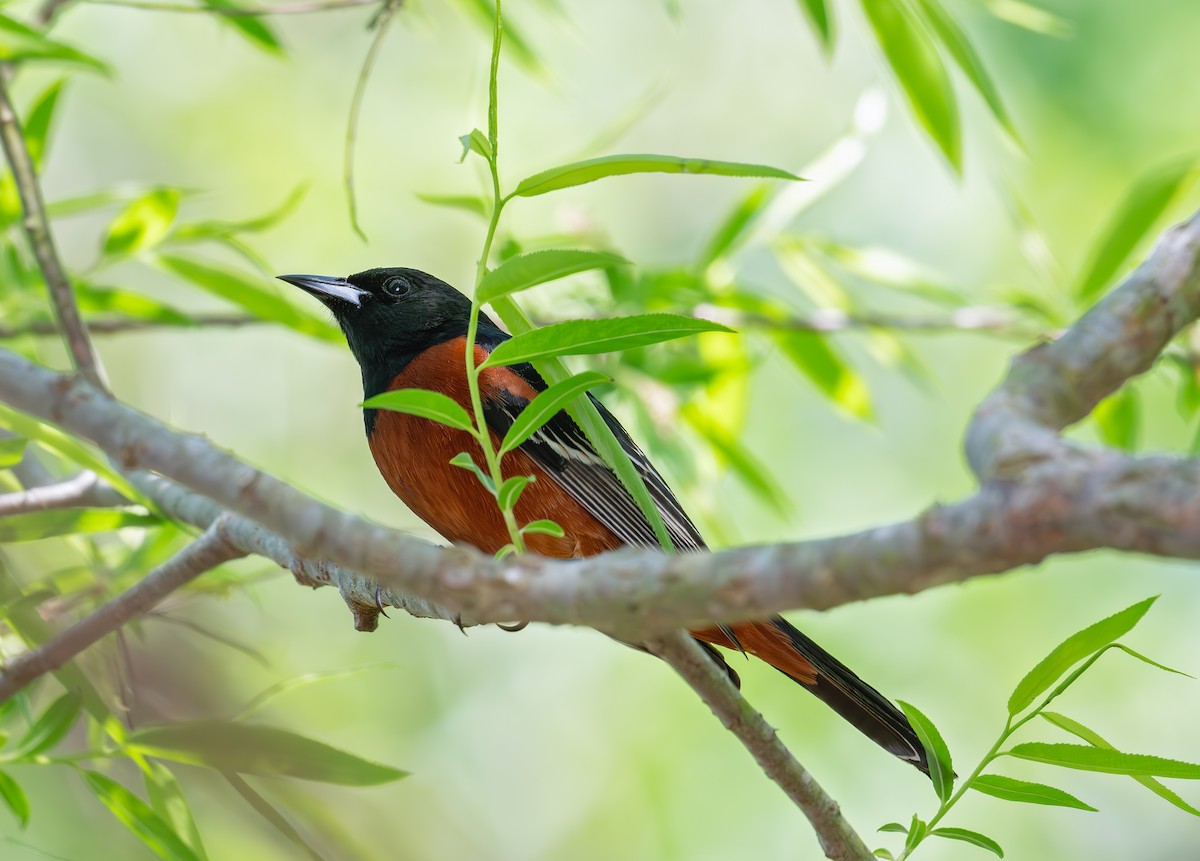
[[1040, 495], [85, 490], [838, 840]]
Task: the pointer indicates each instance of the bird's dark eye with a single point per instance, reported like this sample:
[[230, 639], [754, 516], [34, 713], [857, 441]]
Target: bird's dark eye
[[396, 287]]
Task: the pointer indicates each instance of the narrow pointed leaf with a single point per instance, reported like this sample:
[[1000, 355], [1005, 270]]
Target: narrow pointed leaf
[[815, 357], [916, 833], [1086, 758], [269, 812], [14, 798], [547, 404], [20, 42], [477, 142], [69, 521], [126, 303], [885, 854], [38, 123], [963, 53], [255, 29], [142, 224], [543, 527], [972, 837], [586, 337], [262, 750], [51, 726], [510, 491], [941, 770], [139, 818], [464, 202], [915, 60], [1073, 650], [1117, 418], [464, 461], [1011, 789], [893, 828], [590, 170], [166, 799], [428, 405], [528, 270], [821, 18], [1094, 739], [733, 229], [1136, 215], [12, 449]]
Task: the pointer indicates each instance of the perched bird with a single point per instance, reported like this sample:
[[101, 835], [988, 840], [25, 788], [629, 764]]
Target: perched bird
[[408, 329]]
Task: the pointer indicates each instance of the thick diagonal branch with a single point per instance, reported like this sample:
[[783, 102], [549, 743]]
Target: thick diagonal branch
[[838, 840], [205, 553]]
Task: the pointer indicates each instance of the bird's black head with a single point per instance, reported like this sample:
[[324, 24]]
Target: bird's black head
[[390, 316]]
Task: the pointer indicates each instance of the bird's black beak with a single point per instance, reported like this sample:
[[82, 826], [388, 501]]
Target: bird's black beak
[[329, 290]]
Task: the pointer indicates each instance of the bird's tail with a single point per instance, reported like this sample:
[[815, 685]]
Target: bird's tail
[[778, 643]]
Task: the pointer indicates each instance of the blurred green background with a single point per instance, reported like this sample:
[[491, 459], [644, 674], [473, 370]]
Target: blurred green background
[[556, 743]]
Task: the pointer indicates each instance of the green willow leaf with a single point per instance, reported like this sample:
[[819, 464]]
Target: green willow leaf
[[1103, 760], [588, 417], [914, 58], [917, 830], [1011, 789], [50, 727], [166, 799], [1094, 739], [20, 42], [14, 797], [893, 828], [475, 142], [201, 230], [261, 750], [38, 123], [543, 527], [548, 404], [254, 29], [1137, 214], [1117, 418], [510, 491], [463, 202], [72, 449], [733, 229], [428, 405], [590, 170], [246, 292], [143, 224], [1073, 650], [587, 337], [139, 818], [12, 449], [537, 267], [960, 49], [821, 18], [271, 814], [464, 461], [815, 357], [37, 525], [972, 837], [941, 770], [126, 303]]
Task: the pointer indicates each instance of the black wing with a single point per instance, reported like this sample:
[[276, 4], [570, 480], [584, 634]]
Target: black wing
[[562, 449]]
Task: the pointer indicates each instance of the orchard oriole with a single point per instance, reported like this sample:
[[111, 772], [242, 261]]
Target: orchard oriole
[[408, 329]]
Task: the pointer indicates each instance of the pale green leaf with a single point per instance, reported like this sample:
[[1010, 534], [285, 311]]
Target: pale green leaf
[[254, 28], [1094, 739], [21, 43], [464, 461], [428, 405], [262, 750], [590, 170], [1011, 789], [937, 754], [1073, 650], [38, 123], [510, 491], [475, 141], [972, 837], [12, 449], [586, 337], [142, 224], [914, 59], [1107, 761], [815, 357], [821, 17], [1135, 216], [463, 202], [14, 797], [543, 527], [528, 270], [166, 799], [270, 813], [50, 727], [247, 293], [139, 818], [37, 525], [547, 404], [733, 229]]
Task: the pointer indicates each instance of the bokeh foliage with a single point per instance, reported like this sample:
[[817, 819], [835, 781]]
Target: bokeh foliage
[[793, 427]]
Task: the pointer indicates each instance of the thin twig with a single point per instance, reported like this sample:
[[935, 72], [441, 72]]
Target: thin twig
[[838, 840], [48, 10], [300, 8], [972, 319], [37, 228], [85, 490], [208, 551], [119, 325]]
